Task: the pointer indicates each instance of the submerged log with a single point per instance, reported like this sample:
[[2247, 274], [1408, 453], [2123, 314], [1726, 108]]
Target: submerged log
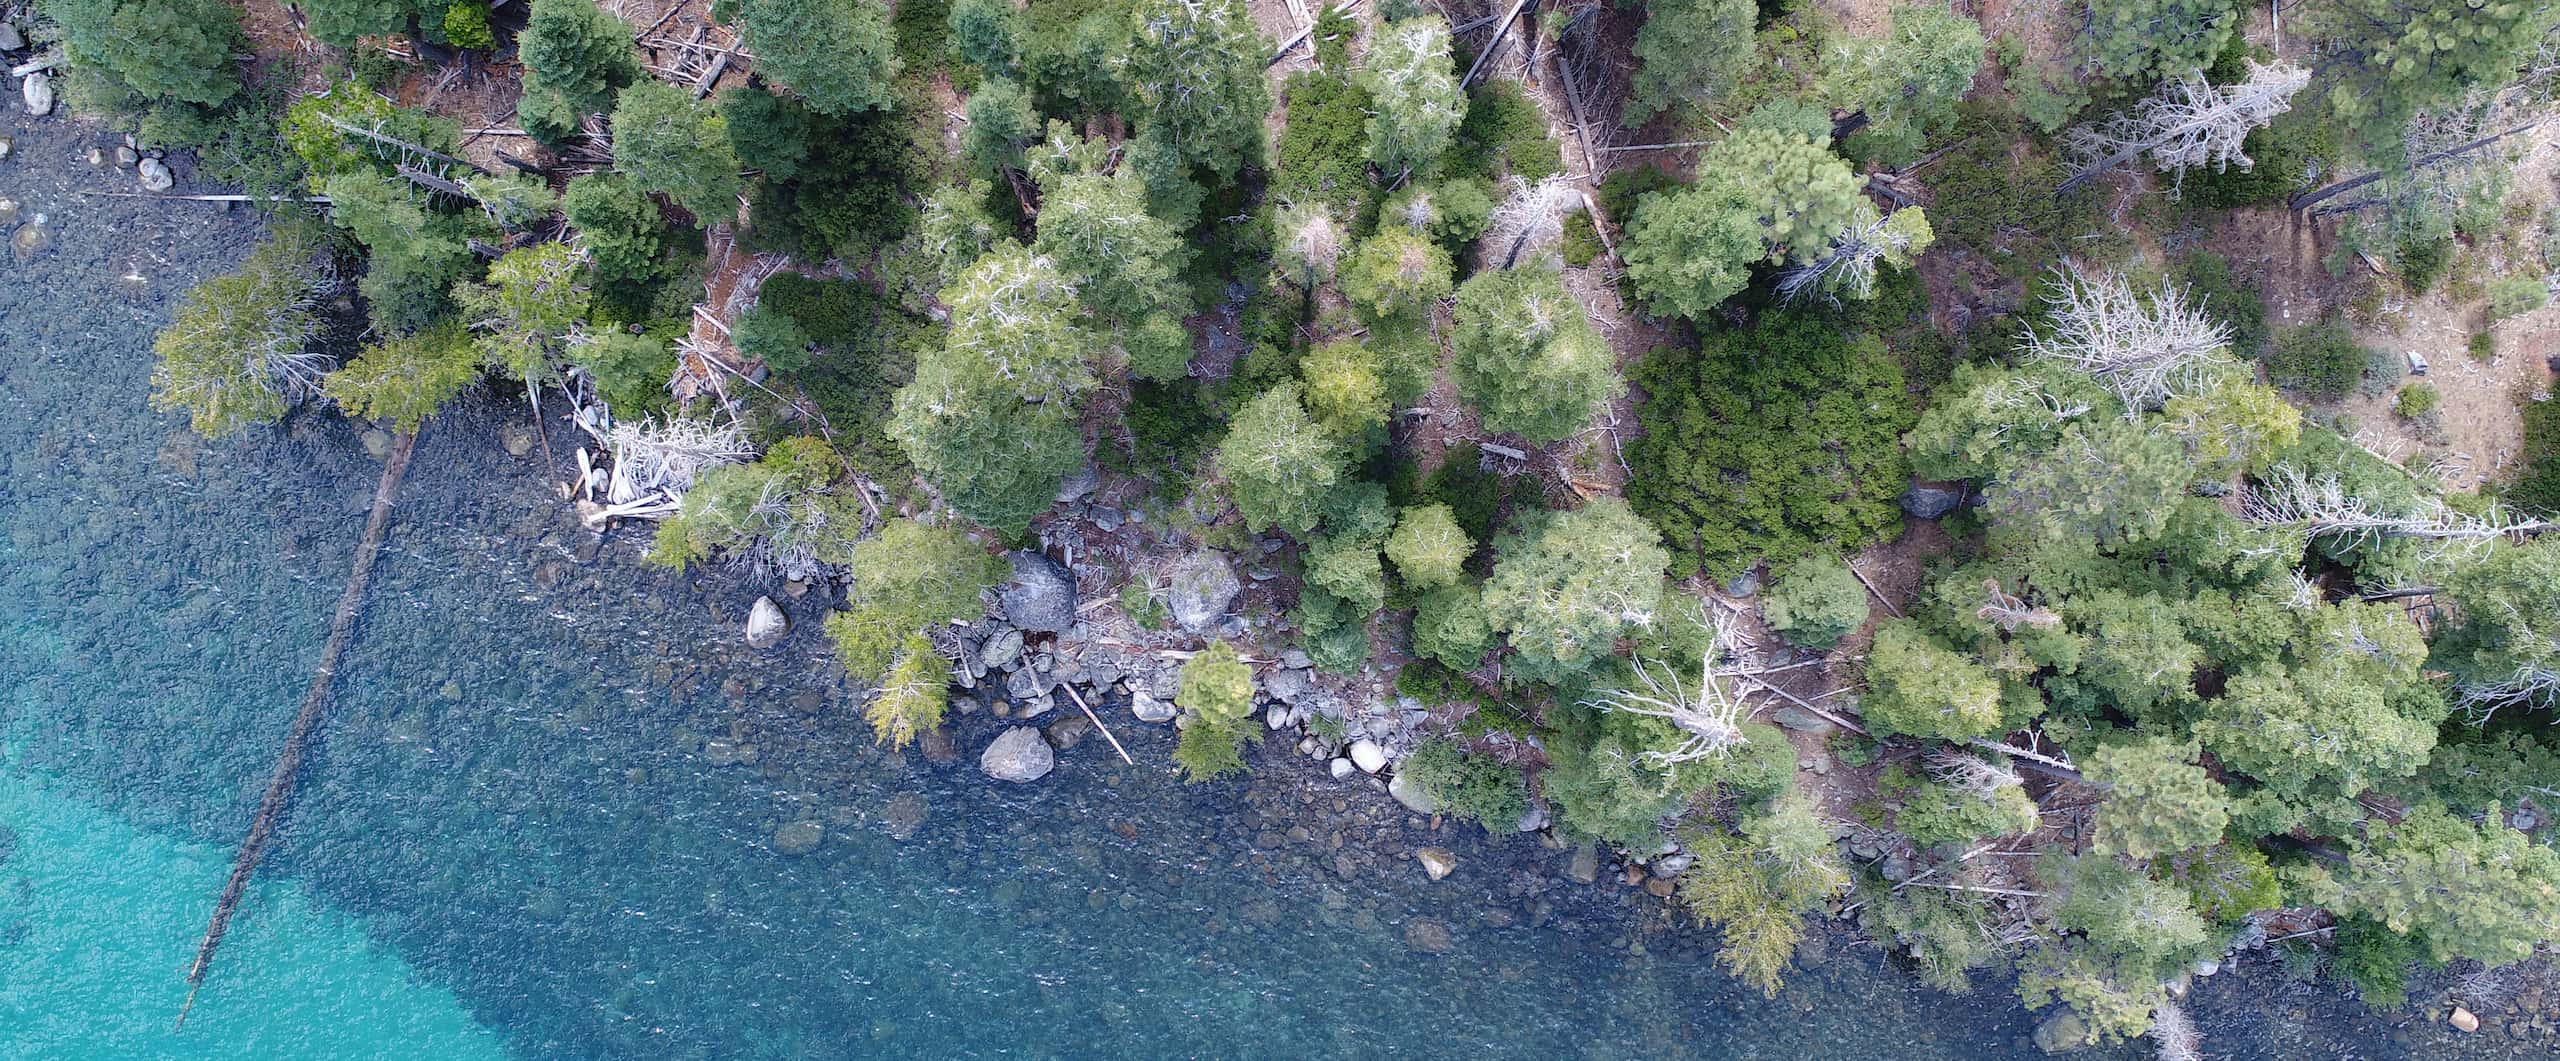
[[306, 723]]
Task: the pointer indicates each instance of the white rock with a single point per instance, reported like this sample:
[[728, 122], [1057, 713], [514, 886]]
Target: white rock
[[1278, 717], [1341, 768], [1366, 755], [1148, 707], [766, 624], [590, 514], [155, 176], [2463, 1020], [1019, 755], [37, 91], [1436, 862], [1413, 796]]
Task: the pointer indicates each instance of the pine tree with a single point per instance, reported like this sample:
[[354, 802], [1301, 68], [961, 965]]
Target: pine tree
[[671, 144], [407, 379], [1195, 70], [836, 55], [1428, 547], [1691, 51], [1216, 696], [1579, 581], [1527, 358], [990, 418], [1280, 465], [576, 56], [1415, 104]]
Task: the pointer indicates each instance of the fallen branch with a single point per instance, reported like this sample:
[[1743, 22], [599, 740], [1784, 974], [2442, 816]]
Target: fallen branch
[[1494, 46], [306, 723], [1889, 609], [1072, 694]]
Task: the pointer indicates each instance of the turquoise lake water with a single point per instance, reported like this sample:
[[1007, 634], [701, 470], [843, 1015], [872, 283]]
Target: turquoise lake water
[[539, 824]]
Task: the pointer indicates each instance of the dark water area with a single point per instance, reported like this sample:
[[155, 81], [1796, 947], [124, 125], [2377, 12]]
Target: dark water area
[[542, 821]]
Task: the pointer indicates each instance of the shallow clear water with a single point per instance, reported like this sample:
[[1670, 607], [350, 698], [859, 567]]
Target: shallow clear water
[[517, 836]]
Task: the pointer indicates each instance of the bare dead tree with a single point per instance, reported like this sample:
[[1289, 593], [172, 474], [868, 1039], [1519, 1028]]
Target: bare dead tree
[[1708, 713], [2146, 349], [1971, 774], [1869, 240], [2188, 123], [2174, 1034], [2322, 507], [2009, 612], [663, 459], [1531, 218]]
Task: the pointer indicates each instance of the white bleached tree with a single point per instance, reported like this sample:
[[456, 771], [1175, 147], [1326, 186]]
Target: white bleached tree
[[2146, 349], [2188, 123]]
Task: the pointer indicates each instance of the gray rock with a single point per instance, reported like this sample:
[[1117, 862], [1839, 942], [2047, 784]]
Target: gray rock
[[766, 624], [1414, 798], [1745, 585], [1341, 768], [1201, 587], [799, 838], [1801, 720], [1084, 481], [1042, 595], [1922, 501], [1289, 686], [1034, 707], [1001, 649], [2062, 1033], [1669, 866], [37, 92], [1068, 732], [126, 155], [1105, 518], [155, 176], [1296, 659], [1584, 866], [10, 39], [1149, 708], [1535, 818], [1019, 755]]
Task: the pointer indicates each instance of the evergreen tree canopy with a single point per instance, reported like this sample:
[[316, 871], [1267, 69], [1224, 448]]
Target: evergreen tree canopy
[[1527, 358], [576, 56], [669, 143], [836, 55], [1578, 582]]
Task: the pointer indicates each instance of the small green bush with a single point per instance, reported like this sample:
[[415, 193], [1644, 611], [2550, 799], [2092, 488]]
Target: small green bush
[[1816, 603], [2423, 262], [2383, 370], [2321, 360], [1480, 788], [772, 337], [2537, 484], [2232, 299], [1324, 147], [2285, 154], [466, 25], [2515, 296], [2483, 346], [2416, 400], [1504, 135]]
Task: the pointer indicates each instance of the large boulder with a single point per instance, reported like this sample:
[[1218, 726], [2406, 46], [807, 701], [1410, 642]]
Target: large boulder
[[1201, 587], [1414, 797], [766, 624], [37, 92], [1042, 596], [1923, 501], [155, 176], [1019, 755]]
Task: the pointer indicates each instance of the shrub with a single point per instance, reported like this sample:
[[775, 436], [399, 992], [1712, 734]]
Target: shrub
[[1779, 443], [1428, 547], [1217, 695], [2483, 346], [1450, 625], [771, 336], [1816, 603], [2321, 360], [2416, 401], [2515, 296], [631, 371], [1933, 813], [2233, 300], [2537, 484], [466, 25], [786, 513], [1479, 788], [1503, 135]]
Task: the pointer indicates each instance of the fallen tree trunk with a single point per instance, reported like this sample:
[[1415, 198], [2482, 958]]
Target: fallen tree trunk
[[306, 723]]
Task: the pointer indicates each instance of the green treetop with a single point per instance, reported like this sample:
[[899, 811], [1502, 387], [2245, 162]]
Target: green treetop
[[1526, 356], [1816, 602], [1691, 51], [1579, 582], [1766, 193], [2138, 41], [1428, 547], [1415, 104], [405, 380], [907, 578], [2389, 59], [1126, 265], [1918, 685], [1907, 82], [1195, 70], [676, 146], [180, 50], [576, 55], [1280, 465], [1216, 695], [2486, 892], [2159, 802], [239, 350], [1396, 274], [2504, 644], [535, 296], [340, 22], [990, 418], [836, 55]]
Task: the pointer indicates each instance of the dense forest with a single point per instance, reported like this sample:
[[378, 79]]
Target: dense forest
[[2066, 490]]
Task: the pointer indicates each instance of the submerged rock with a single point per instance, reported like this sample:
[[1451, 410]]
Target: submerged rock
[[1042, 596], [906, 813], [1200, 588], [1414, 797], [1584, 866], [2062, 1033], [30, 241], [1429, 936], [1436, 862], [799, 838], [1019, 755], [766, 624]]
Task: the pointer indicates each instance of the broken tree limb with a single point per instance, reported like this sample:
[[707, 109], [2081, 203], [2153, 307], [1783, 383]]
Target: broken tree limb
[[1494, 46], [1303, 35], [1072, 694], [320, 199], [2313, 197], [1889, 609], [306, 723]]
